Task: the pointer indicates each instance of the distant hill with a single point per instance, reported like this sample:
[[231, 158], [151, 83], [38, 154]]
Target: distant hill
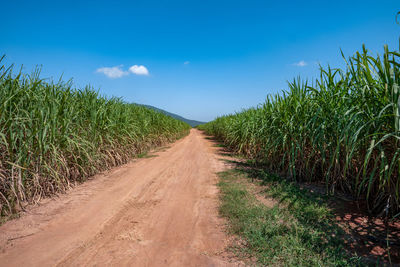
[[192, 123]]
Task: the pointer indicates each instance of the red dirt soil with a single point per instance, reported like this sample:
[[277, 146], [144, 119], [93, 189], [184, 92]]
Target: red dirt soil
[[369, 236], [158, 211]]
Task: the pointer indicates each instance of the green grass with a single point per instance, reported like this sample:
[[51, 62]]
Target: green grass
[[297, 231], [219, 145], [53, 135], [145, 155], [342, 129]]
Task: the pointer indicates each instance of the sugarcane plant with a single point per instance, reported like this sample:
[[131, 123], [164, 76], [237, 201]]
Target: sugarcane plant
[[341, 130], [53, 135]]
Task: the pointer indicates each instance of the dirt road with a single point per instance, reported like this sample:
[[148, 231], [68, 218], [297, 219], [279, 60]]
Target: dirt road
[[157, 211]]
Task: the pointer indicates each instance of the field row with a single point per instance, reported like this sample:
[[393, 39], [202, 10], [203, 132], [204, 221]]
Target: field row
[[53, 135], [341, 130]]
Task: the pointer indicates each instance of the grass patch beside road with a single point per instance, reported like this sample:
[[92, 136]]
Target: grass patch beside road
[[298, 229]]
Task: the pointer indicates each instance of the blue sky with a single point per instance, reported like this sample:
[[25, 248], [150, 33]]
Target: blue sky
[[203, 58]]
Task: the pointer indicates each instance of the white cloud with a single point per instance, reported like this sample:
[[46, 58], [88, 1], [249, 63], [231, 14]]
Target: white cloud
[[186, 63], [139, 70], [112, 72], [301, 63]]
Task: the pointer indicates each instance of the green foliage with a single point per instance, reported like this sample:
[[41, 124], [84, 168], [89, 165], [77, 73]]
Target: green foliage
[[344, 130], [52, 135]]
